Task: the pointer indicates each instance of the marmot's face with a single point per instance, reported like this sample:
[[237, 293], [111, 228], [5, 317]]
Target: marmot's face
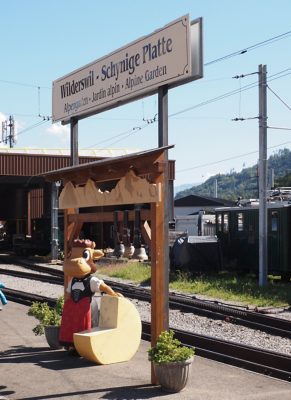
[[81, 262]]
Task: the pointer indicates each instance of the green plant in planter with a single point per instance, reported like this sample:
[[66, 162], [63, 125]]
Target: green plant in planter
[[46, 315], [172, 362], [168, 349]]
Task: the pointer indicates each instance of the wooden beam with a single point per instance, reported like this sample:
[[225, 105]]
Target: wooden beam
[[143, 163], [110, 173], [130, 189], [146, 233], [106, 216]]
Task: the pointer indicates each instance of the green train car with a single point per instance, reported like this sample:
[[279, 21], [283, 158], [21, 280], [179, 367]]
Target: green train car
[[237, 229]]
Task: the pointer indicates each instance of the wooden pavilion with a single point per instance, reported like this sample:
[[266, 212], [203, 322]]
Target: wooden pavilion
[[137, 178]]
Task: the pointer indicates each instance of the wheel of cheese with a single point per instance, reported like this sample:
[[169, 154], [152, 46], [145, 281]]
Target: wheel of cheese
[[118, 335]]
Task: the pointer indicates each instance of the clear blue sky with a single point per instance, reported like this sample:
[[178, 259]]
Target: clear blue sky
[[42, 41]]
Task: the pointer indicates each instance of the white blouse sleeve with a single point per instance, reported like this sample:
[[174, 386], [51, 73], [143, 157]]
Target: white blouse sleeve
[[95, 284], [69, 287]]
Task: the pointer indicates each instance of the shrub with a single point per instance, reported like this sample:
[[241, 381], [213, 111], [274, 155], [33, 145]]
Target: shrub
[[46, 315], [168, 349]]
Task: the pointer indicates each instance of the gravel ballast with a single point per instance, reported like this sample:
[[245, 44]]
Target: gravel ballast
[[178, 319]]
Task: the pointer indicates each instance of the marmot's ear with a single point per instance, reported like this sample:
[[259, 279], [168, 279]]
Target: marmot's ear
[[97, 254]]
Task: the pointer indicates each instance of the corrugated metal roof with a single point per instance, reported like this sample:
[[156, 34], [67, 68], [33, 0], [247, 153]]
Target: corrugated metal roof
[[12, 164], [100, 153], [29, 161]]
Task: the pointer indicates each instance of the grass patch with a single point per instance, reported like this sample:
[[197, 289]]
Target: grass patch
[[227, 287], [231, 287], [134, 271]]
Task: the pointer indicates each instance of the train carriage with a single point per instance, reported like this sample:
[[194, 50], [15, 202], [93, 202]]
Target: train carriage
[[237, 229]]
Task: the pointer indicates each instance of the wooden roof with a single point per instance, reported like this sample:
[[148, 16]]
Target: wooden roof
[[142, 163]]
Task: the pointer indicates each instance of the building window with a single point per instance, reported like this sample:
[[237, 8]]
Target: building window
[[240, 222], [274, 221], [219, 222], [225, 223]]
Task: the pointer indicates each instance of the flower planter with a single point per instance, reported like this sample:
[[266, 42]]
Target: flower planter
[[173, 376], [52, 336]]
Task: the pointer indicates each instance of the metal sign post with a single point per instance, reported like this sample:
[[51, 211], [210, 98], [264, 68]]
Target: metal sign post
[[74, 142], [163, 141], [54, 220]]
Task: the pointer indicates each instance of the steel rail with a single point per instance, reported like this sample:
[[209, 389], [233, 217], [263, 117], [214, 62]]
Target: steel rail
[[262, 361], [250, 319], [43, 277], [25, 298], [29, 264]]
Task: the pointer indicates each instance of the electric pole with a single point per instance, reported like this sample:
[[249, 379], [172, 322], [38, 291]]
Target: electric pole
[[263, 212], [8, 135], [215, 188]]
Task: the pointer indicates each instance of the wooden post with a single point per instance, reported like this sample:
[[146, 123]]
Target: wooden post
[[69, 229], [160, 238], [159, 272]]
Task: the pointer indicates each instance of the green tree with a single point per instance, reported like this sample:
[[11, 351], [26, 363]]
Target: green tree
[[245, 183]]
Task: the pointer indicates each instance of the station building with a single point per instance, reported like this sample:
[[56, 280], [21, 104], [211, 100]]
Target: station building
[[26, 199]]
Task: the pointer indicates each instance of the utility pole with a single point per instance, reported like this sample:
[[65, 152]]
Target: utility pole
[[215, 188], [8, 137], [263, 212], [272, 178]]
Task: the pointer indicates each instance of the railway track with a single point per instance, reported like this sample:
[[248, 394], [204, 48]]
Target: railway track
[[258, 360], [214, 310]]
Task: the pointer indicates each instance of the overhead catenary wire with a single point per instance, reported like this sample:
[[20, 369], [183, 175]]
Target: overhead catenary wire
[[279, 128], [29, 128], [249, 48], [278, 97], [121, 135], [233, 92], [24, 84], [249, 86], [231, 158]]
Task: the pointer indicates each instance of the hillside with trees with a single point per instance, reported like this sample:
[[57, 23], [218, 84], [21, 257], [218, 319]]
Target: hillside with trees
[[244, 184]]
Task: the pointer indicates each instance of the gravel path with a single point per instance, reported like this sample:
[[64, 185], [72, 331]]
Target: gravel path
[[185, 321]]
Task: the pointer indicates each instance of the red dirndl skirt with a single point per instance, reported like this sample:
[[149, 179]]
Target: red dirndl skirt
[[76, 318]]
